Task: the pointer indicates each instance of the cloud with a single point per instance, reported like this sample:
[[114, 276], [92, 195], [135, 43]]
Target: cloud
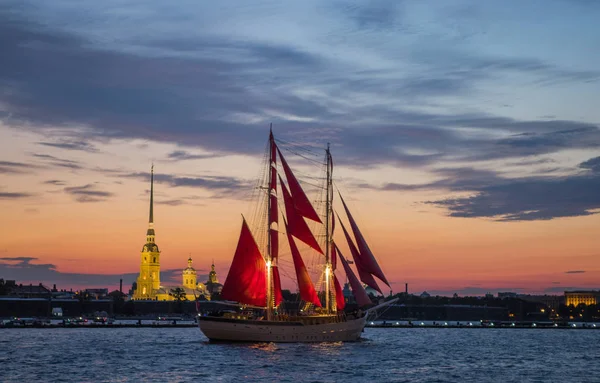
[[222, 186], [87, 193], [9, 167], [592, 164], [55, 182], [58, 162], [71, 145], [172, 202], [199, 88], [181, 155], [575, 272], [528, 199], [14, 195], [511, 199]]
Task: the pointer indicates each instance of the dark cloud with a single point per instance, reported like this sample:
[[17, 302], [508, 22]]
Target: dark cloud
[[13, 195], [575, 272], [55, 182], [214, 78], [592, 164], [71, 145], [180, 155], [58, 162], [511, 199], [172, 202], [9, 167], [222, 186], [528, 199], [87, 193]]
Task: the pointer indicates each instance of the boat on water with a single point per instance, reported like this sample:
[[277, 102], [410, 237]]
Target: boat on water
[[254, 280]]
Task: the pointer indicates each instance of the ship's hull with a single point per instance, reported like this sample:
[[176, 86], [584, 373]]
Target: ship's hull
[[240, 330]]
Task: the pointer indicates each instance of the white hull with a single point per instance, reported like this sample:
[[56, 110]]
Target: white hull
[[232, 330]]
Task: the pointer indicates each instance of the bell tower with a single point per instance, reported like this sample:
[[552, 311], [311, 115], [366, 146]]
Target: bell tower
[[148, 282]]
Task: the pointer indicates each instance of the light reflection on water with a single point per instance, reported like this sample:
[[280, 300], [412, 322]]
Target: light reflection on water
[[384, 355]]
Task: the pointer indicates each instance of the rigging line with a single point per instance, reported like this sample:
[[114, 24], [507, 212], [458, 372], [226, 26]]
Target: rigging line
[[303, 156], [306, 148]]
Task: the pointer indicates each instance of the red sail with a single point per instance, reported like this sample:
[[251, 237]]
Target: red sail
[[357, 290], [301, 201], [297, 226], [246, 281], [339, 294], [333, 257], [332, 224], [276, 286], [274, 243], [358, 262], [307, 290], [368, 260]]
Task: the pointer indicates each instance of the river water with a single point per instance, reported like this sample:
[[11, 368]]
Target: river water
[[384, 355]]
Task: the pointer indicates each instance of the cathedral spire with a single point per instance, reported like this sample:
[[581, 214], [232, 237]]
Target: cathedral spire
[[150, 232], [151, 220]]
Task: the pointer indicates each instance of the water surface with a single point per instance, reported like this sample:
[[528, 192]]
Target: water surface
[[384, 355]]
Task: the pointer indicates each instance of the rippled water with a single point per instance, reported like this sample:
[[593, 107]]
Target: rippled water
[[385, 355]]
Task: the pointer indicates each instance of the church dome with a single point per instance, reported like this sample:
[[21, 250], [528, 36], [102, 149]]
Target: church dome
[[189, 270]]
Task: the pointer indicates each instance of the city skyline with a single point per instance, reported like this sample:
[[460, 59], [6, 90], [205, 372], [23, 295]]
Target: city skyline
[[466, 134]]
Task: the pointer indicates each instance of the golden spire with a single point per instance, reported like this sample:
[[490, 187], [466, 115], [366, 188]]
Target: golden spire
[[150, 233]]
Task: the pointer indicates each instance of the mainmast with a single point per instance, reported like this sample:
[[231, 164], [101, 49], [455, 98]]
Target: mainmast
[[328, 234], [270, 299]]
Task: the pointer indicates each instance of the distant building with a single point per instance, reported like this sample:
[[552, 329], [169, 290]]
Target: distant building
[[148, 281], [97, 293], [551, 301], [578, 297], [148, 286], [26, 291], [425, 294], [213, 285]]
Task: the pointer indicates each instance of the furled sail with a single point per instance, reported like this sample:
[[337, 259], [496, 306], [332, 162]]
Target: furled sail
[[273, 213], [246, 281], [357, 290], [339, 294], [296, 224], [307, 290], [358, 262], [301, 202], [367, 257], [333, 257], [278, 297]]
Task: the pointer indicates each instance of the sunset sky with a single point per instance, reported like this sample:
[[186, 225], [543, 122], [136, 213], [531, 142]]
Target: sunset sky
[[465, 134]]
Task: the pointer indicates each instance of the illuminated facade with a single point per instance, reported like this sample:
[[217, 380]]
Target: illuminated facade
[[148, 282], [576, 298], [148, 286], [188, 276]]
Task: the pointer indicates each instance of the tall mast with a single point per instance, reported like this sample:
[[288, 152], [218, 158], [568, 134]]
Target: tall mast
[[269, 254], [328, 211]]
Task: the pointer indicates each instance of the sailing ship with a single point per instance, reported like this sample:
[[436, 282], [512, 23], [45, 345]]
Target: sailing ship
[[254, 279]]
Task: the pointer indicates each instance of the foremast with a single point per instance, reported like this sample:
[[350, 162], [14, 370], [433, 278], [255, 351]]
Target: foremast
[[272, 218], [329, 308]]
